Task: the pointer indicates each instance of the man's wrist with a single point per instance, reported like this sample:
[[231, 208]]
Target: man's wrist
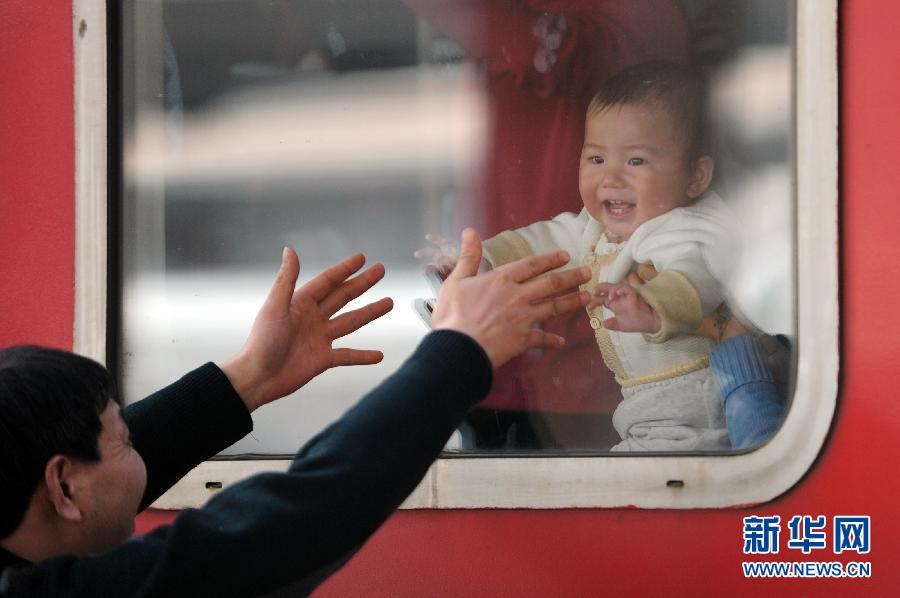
[[239, 374]]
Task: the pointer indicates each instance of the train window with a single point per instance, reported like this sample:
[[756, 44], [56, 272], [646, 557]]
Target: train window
[[334, 127]]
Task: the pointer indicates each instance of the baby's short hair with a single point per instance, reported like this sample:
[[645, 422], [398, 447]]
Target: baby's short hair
[[678, 88]]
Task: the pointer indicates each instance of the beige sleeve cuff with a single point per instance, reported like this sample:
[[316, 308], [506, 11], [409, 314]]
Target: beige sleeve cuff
[[677, 303], [506, 247]]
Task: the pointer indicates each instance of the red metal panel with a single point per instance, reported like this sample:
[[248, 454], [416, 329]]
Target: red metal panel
[[37, 180]]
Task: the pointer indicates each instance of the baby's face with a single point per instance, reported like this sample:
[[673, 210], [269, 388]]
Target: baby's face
[[633, 167]]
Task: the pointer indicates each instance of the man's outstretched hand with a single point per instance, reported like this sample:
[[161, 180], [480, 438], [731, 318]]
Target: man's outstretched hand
[[290, 341], [501, 308]]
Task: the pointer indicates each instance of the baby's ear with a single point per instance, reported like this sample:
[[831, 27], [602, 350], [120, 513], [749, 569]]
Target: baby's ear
[[701, 176]]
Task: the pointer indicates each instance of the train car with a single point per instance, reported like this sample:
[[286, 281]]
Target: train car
[[156, 156]]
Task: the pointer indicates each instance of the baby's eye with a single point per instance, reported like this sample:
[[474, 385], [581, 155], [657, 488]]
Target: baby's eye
[[635, 161], [596, 159]]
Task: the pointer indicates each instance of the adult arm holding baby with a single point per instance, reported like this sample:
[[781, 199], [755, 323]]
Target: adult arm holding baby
[[754, 408]]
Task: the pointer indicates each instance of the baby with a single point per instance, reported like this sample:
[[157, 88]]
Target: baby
[[643, 180]]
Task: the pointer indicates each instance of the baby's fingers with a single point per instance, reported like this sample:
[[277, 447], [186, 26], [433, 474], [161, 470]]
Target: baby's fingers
[[600, 296], [445, 246], [645, 273], [431, 254], [436, 239], [634, 280], [445, 265], [612, 323]]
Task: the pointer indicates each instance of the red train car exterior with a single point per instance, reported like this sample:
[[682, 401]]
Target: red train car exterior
[[581, 552]]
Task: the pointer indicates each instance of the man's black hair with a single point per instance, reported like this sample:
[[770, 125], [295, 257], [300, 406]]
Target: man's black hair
[[678, 88], [50, 404]]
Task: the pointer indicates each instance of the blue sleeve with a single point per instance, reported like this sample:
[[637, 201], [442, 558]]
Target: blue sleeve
[[753, 409]]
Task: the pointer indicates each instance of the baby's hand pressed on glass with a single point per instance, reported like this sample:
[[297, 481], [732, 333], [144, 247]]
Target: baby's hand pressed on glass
[[640, 274], [442, 253], [633, 314]]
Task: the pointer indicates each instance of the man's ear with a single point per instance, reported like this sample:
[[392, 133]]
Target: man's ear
[[62, 487], [701, 176]]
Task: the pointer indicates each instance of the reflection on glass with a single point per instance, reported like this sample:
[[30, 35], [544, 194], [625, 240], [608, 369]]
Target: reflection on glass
[[362, 126]]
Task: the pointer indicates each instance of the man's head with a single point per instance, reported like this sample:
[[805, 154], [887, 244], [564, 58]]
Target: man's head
[[66, 461], [644, 151]]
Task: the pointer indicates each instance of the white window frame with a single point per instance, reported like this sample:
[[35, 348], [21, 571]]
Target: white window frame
[[553, 482], [89, 39]]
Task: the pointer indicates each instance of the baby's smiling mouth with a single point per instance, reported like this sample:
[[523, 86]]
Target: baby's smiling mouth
[[618, 208]]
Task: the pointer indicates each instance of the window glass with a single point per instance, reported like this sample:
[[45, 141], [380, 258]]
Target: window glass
[[343, 126]]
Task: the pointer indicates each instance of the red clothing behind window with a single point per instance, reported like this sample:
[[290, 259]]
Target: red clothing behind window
[[543, 60]]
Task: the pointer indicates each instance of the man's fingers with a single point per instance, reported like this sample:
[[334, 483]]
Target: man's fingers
[[352, 321], [469, 255], [539, 339], [282, 290], [341, 357], [351, 289], [530, 267], [558, 282], [323, 284], [561, 305]]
